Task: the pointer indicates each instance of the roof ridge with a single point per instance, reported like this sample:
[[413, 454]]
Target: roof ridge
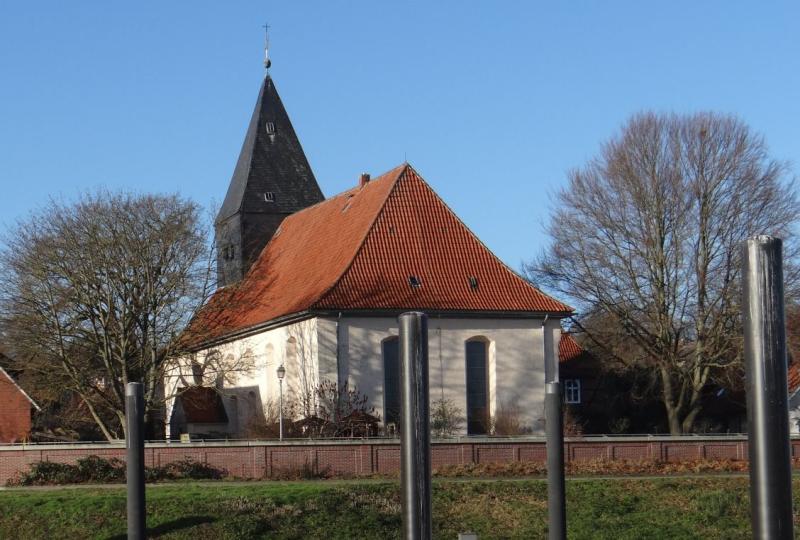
[[484, 246], [404, 168]]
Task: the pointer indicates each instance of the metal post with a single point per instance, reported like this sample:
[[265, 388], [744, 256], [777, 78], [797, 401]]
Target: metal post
[[415, 441], [556, 498], [280, 413], [134, 419], [767, 393]]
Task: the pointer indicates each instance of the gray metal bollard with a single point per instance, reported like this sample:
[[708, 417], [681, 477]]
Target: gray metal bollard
[[767, 393], [134, 419], [415, 441], [556, 496]]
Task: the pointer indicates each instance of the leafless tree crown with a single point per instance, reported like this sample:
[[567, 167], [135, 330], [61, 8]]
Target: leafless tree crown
[[646, 236], [94, 294]]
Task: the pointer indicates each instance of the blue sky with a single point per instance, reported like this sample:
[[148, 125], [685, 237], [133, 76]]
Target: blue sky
[[492, 102]]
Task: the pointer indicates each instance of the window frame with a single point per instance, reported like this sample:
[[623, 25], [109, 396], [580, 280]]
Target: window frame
[[485, 422], [572, 391]]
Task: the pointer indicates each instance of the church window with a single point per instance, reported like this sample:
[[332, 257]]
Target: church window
[[269, 196], [391, 381], [270, 128], [228, 252], [477, 386]]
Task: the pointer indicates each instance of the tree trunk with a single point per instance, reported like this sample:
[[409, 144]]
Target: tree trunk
[[674, 421], [102, 425]]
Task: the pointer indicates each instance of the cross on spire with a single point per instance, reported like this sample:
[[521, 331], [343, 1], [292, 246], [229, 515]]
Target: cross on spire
[[267, 61]]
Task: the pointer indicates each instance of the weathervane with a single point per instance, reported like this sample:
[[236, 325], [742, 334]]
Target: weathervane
[[267, 61]]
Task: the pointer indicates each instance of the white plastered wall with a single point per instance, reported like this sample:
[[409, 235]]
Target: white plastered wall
[[515, 363], [250, 384], [349, 349]]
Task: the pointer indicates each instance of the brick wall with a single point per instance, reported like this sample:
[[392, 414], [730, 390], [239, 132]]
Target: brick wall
[[258, 459], [15, 412]]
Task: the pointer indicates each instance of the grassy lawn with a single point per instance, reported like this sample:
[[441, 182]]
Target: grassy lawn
[[614, 509]]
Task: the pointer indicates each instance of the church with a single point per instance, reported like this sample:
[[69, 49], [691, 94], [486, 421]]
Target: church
[[314, 285]]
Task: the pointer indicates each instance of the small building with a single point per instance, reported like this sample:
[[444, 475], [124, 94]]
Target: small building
[[200, 412], [794, 397], [16, 408]]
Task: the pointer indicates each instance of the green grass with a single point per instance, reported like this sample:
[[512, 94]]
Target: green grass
[[614, 509]]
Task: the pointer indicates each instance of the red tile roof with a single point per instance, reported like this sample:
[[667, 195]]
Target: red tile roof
[[568, 348], [794, 376], [357, 251]]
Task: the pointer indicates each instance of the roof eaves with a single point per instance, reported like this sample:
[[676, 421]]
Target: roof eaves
[[240, 333], [436, 313]]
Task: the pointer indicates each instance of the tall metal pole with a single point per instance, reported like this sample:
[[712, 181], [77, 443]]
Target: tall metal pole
[[134, 419], [556, 495], [767, 392], [415, 441], [280, 413]]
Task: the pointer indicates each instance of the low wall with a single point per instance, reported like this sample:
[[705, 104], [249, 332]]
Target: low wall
[[262, 459]]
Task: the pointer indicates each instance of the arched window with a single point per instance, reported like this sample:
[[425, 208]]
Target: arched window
[[477, 350], [391, 381]]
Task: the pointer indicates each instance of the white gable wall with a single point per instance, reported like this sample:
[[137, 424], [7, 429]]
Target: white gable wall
[[250, 384]]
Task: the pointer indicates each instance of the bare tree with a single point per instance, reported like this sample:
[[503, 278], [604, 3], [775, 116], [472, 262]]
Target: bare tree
[[95, 294], [646, 237]]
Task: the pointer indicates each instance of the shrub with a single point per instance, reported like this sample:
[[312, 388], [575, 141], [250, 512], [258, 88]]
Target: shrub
[[98, 470], [508, 420], [45, 473], [446, 418], [185, 469], [572, 425]]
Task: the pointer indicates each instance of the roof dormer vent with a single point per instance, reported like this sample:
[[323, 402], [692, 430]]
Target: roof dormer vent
[[415, 282], [364, 180], [473, 283]]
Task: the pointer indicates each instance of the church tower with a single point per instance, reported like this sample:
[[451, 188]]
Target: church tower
[[272, 180]]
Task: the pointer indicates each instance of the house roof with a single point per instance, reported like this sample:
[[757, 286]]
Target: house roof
[[360, 250], [793, 374], [568, 348], [5, 374], [202, 405]]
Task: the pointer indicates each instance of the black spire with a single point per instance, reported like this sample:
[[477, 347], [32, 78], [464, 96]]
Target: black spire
[[272, 179]]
